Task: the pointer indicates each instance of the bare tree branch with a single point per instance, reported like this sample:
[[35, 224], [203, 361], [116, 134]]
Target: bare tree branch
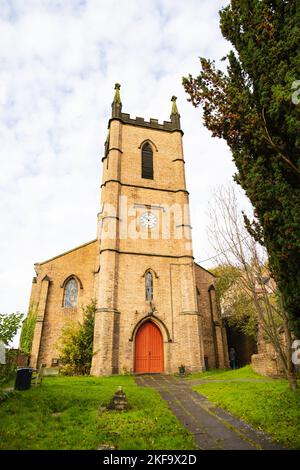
[[238, 250]]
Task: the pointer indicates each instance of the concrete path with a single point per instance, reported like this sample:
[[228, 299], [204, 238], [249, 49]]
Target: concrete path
[[213, 428]]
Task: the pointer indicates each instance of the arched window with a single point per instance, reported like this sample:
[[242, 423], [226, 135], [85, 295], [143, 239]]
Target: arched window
[[147, 162], [71, 293], [149, 286]]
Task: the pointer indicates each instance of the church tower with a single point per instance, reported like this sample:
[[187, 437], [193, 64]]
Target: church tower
[[147, 317], [156, 307]]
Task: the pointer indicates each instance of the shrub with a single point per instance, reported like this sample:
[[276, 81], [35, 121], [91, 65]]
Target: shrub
[[27, 331], [76, 344]]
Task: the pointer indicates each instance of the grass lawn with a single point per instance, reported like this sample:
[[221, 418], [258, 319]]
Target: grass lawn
[[220, 374], [269, 406], [63, 413]]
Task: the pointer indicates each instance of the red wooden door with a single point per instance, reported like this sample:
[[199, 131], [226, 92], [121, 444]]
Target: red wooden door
[[149, 356]]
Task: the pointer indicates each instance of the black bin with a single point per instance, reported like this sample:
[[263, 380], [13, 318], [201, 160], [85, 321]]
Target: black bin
[[23, 378], [206, 362]]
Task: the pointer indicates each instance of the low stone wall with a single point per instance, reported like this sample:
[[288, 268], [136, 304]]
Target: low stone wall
[[50, 371], [266, 364]]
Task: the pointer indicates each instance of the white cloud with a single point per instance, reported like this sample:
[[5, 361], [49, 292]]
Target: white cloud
[[59, 62]]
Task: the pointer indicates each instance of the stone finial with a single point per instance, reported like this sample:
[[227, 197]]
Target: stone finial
[[153, 309], [117, 97], [175, 116], [117, 104], [174, 105]]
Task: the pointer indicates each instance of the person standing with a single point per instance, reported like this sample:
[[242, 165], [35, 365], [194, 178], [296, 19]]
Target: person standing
[[232, 358]]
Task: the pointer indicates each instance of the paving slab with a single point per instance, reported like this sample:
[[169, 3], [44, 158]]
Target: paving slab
[[212, 427]]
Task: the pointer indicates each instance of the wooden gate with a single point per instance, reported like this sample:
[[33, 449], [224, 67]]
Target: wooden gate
[[149, 352]]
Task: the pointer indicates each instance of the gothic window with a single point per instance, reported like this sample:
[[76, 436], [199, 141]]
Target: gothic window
[[147, 162], [149, 286], [71, 293]]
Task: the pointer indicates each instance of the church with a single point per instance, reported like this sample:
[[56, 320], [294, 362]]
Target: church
[[156, 307]]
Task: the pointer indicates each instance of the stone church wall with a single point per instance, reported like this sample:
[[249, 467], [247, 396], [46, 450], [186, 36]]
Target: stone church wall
[[47, 293], [165, 311], [214, 333]]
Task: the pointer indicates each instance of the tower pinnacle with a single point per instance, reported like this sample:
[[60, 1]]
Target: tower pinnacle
[[174, 105], [175, 116], [117, 104]]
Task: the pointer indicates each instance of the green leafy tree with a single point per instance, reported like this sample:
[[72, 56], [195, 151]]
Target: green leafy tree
[[76, 344], [253, 107], [237, 306], [27, 331], [227, 276], [9, 325]]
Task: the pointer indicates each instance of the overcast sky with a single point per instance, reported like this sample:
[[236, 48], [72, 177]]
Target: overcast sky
[[59, 63]]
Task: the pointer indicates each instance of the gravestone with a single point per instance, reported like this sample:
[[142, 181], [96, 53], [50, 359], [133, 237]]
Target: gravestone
[[119, 401]]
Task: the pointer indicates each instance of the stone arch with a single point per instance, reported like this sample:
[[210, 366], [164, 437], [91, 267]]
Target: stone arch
[[150, 142], [72, 276], [70, 294], [158, 322], [151, 270]]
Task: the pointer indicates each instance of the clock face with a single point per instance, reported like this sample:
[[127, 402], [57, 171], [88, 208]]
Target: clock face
[[148, 220]]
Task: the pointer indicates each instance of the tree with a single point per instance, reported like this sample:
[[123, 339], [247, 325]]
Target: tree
[[249, 291], [237, 307], [251, 106], [27, 331], [9, 325], [76, 344]]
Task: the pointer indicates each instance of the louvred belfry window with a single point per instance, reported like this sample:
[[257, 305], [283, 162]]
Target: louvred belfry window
[[147, 162]]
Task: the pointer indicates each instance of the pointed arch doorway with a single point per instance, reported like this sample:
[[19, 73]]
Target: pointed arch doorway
[[149, 351]]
